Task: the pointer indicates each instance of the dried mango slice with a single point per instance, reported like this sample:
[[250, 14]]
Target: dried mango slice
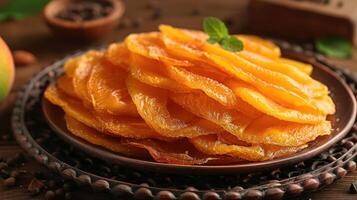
[[205, 107], [274, 78], [118, 54], [246, 71], [200, 68], [113, 125], [314, 87], [325, 104], [196, 38], [270, 151], [93, 136], [71, 65], [82, 73], [107, 89], [268, 130], [275, 132], [276, 93], [260, 46], [304, 67], [183, 35], [179, 152], [231, 139], [260, 102], [210, 87], [64, 83], [151, 104], [152, 72], [150, 45], [182, 50], [209, 144]]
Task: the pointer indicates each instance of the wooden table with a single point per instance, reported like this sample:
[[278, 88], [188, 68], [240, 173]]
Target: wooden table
[[33, 35]]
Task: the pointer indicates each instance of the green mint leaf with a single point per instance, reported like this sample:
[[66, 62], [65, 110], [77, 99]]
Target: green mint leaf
[[232, 43], [334, 47], [213, 40], [218, 33], [20, 9], [215, 28]]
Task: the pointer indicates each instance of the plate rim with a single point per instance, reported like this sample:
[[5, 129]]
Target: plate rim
[[146, 165]]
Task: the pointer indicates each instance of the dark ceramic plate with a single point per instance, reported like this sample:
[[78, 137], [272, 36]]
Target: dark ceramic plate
[[342, 122]]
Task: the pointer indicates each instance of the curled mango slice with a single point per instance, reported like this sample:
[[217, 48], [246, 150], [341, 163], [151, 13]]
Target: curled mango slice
[[150, 45], [269, 107], [118, 55], [152, 73], [82, 73], [212, 88], [113, 125], [260, 46], [106, 86], [93, 136], [313, 87], [64, 83], [306, 68], [210, 145], [178, 152], [151, 104]]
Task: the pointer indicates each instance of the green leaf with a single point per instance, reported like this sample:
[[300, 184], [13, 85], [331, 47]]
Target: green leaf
[[214, 27], [20, 9], [213, 40], [231, 43], [334, 47], [218, 33]]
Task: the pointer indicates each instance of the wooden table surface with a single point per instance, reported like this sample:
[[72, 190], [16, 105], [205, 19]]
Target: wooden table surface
[[32, 34]]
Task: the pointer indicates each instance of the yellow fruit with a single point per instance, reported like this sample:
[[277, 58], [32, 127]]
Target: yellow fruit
[[7, 70]]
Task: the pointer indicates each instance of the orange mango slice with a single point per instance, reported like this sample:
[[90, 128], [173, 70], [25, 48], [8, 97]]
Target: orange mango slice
[[118, 55], [260, 46], [151, 104], [313, 87], [107, 89], [210, 87], [210, 145], [306, 68], [150, 45], [64, 83], [94, 137], [152, 73], [113, 125], [178, 152], [251, 96]]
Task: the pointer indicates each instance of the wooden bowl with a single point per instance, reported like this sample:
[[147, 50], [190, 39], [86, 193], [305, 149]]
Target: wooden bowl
[[341, 122], [85, 30]]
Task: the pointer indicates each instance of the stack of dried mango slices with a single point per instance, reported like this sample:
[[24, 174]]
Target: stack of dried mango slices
[[178, 99]]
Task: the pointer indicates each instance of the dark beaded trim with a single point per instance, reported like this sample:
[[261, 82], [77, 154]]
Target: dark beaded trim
[[306, 176]]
